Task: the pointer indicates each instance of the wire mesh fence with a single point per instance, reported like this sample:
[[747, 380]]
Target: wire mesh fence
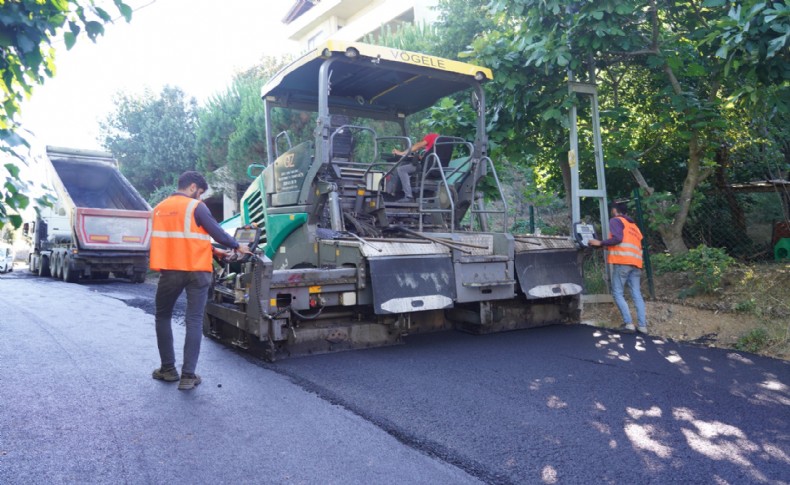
[[751, 227], [747, 226]]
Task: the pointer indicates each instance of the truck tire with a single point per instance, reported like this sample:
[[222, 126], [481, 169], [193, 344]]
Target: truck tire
[[54, 266], [43, 266], [68, 273], [138, 277]]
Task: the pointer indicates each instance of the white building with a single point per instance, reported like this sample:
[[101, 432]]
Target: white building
[[311, 22]]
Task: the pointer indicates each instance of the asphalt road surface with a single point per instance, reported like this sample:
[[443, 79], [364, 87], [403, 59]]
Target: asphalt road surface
[[560, 404]]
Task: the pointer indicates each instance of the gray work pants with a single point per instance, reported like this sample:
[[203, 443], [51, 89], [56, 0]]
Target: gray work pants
[[171, 285], [404, 171]]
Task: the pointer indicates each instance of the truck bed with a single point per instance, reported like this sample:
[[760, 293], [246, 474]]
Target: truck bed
[[98, 186], [106, 212]]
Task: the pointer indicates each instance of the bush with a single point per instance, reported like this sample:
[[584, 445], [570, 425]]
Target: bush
[[593, 270], [754, 341], [706, 265], [668, 263], [746, 306]]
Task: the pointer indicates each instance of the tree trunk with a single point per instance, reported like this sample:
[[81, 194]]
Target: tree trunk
[[672, 235]]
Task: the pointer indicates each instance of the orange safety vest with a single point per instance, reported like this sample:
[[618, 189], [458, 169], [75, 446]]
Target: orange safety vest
[[629, 251], [177, 242]]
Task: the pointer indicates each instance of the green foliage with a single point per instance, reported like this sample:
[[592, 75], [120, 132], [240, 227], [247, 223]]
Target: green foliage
[[247, 143], [13, 197], [668, 263], [161, 193], [451, 116], [754, 340], [746, 306], [662, 207], [460, 21], [411, 37], [28, 29], [27, 58], [667, 97], [754, 40], [231, 132], [152, 136], [594, 271], [706, 266]]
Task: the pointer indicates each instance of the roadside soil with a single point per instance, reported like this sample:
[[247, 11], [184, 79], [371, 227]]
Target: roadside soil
[[751, 310]]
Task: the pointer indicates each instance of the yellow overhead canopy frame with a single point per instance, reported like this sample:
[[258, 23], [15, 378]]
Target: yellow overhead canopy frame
[[385, 78]]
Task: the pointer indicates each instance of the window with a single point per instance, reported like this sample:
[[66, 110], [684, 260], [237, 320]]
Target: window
[[315, 39]]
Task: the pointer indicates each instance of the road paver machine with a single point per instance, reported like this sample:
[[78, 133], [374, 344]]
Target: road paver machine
[[342, 262]]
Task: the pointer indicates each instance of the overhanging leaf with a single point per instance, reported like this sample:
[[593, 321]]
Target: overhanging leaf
[[126, 11], [12, 169], [70, 39]]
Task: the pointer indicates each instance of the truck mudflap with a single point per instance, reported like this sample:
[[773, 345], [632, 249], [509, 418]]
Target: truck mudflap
[[403, 284], [549, 273]]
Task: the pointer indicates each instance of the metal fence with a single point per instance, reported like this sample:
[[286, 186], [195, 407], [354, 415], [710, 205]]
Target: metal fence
[[747, 226]]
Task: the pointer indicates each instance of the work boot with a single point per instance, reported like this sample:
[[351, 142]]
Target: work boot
[[628, 327], [642, 329], [188, 381], [167, 374]]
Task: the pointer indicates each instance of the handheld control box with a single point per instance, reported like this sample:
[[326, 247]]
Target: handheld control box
[[248, 235], [583, 233]]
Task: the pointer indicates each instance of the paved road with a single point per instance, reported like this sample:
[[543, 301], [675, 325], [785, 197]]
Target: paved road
[[550, 405], [79, 406]]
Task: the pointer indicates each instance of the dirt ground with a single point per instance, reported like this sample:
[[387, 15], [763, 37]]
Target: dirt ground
[[751, 310]]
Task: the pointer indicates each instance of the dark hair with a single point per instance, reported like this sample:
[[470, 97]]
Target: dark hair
[[191, 177], [621, 207]]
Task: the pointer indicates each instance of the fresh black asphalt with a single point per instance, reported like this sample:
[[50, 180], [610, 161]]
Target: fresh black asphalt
[[560, 404]]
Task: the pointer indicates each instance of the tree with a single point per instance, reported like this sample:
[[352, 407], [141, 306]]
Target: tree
[[27, 58], [683, 61], [153, 137], [231, 125], [460, 21]]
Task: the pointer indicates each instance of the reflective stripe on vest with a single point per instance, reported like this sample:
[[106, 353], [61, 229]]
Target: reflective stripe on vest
[[179, 244], [629, 251]]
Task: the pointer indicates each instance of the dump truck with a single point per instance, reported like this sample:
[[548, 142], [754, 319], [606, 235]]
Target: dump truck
[[341, 261], [98, 223]]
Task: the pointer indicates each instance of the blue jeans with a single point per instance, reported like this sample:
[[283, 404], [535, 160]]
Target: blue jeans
[[623, 274], [171, 285]]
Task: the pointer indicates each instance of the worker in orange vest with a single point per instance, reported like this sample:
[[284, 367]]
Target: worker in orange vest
[[181, 251], [624, 253]]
